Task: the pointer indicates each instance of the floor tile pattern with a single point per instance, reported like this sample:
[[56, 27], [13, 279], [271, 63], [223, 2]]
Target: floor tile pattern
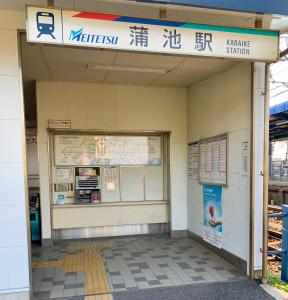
[[157, 261], [131, 263]]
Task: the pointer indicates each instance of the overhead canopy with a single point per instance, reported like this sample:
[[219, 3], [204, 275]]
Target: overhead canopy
[[279, 7], [279, 121]]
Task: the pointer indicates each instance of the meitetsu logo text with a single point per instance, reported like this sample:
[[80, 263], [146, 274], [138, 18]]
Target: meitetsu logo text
[[80, 36]]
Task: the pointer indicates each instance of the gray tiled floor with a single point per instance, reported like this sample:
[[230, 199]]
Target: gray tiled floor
[[157, 261], [134, 263]]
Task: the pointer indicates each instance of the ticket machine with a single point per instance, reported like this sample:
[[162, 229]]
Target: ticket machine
[[87, 184]]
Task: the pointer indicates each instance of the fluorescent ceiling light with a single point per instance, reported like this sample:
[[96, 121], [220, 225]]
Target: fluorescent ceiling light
[[126, 69]]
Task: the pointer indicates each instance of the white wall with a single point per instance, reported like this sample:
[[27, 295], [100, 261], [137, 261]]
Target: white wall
[[14, 270], [116, 108], [217, 105], [32, 165]]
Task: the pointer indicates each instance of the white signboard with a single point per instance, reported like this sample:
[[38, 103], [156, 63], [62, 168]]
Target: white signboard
[[245, 158], [213, 160], [44, 25], [85, 150], [59, 124], [63, 175], [87, 29]]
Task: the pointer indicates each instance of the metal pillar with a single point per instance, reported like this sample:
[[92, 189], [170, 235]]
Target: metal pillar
[[252, 181], [265, 176]]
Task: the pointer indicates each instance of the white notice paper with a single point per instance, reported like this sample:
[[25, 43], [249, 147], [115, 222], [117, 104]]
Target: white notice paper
[[62, 175], [213, 160], [110, 178]]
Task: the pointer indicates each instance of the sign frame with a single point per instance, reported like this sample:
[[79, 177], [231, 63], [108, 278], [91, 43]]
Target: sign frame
[[54, 133]]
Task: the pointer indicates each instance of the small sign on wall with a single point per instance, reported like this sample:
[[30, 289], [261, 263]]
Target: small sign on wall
[[59, 124], [245, 158]]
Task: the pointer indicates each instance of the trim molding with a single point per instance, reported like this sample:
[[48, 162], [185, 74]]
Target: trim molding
[[108, 231], [178, 233], [17, 294], [233, 259]]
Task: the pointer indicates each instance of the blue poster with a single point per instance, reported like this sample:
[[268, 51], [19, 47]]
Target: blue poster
[[212, 198]]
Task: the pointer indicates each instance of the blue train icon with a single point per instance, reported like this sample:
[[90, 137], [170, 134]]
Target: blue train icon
[[45, 23]]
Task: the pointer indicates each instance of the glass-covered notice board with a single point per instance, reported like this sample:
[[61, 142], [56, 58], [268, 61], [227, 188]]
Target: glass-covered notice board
[[84, 150], [95, 169], [213, 160]]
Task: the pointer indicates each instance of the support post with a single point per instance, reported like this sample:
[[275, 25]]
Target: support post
[[265, 176], [284, 264]]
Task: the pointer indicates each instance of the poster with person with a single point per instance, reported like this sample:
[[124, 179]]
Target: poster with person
[[212, 198]]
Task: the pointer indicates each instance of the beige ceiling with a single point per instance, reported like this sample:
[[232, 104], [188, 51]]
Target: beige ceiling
[[43, 62], [69, 64]]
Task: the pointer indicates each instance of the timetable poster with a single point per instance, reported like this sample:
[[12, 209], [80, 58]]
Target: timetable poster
[[213, 160], [192, 157], [212, 200]]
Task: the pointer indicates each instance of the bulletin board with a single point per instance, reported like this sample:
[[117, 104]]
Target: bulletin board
[[154, 183], [85, 150], [213, 160], [132, 184]]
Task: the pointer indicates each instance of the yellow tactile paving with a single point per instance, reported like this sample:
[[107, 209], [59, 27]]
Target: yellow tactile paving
[[99, 297], [89, 261], [47, 264]]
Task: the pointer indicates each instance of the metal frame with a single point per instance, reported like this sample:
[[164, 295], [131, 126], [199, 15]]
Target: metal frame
[[283, 53], [216, 137], [163, 135], [96, 133]]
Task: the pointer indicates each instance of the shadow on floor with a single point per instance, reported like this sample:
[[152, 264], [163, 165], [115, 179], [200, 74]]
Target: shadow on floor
[[237, 290]]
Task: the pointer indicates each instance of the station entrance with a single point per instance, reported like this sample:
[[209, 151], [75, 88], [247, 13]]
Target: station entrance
[[139, 169], [93, 244]]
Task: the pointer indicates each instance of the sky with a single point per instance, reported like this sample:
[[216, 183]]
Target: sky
[[279, 76]]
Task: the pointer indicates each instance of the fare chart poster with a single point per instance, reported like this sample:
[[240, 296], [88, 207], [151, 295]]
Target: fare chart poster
[[212, 198]]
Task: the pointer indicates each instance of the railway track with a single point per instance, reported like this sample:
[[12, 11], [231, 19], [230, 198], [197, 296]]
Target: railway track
[[274, 232]]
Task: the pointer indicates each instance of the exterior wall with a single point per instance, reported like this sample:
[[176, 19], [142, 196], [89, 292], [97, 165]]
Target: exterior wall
[[116, 108], [14, 262], [217, 105]]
